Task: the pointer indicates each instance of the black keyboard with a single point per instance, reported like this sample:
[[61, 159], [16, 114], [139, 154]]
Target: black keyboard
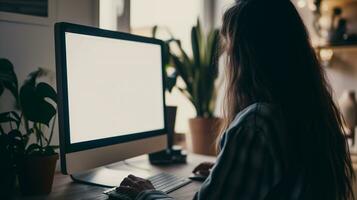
[[163, 182]]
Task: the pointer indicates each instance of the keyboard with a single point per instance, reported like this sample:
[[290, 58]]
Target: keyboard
[[163, 182]]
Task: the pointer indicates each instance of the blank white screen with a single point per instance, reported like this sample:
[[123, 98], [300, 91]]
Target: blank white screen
[[114, 87]]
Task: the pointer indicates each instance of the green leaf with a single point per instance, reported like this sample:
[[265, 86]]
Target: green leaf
[[34, 102], [200, 71], [49, 150], [54, 146], [33, 76], [195, 46], [45, 90], [2, 89], [16, 141], [8, 78], [15, 134], [33, 148], [170, 82], [212, 47], [7, 117], [154, 31]]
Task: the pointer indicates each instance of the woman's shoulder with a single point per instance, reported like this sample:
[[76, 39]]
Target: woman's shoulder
[[256, 115]]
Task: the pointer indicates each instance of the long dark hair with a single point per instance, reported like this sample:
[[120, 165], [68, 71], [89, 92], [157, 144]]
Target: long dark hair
[[271, 59]]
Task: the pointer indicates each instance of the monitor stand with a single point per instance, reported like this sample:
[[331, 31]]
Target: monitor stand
[[111, 175]]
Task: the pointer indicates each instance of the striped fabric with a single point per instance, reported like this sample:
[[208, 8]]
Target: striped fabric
[[249, 166]]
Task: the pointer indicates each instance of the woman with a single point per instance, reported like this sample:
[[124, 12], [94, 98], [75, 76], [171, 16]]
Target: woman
[[283, 137]]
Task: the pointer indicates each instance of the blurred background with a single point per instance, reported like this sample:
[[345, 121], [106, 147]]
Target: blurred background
[[27, 36]]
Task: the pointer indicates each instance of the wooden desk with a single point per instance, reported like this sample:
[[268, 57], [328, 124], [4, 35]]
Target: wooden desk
[[64, 188]]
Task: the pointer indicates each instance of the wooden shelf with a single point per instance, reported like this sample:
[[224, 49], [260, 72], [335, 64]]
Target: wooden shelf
[[333, 3], [347, 46]]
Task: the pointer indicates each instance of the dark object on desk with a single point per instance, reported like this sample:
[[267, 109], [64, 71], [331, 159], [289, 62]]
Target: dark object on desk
[[163, 182], [175, 155], [171, 121], [63, 187], [198, 177]]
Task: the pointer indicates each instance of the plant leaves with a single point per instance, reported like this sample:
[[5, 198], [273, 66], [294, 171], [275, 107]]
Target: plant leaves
[[154, 31], [32, 148], [15, 134], [34, 104], [49, 150], [45, 90], [8, 78], [33, 76], [195, 46], [7, 117], [170, 81], [2, 89], [54, 146], [200, 71], [17, 143]]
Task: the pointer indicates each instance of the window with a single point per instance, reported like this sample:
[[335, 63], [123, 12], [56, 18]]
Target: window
[[178, 16]]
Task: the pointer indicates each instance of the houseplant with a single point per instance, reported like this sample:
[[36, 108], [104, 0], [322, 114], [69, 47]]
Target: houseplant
[[33, 116], [9, 140], [199, 73]]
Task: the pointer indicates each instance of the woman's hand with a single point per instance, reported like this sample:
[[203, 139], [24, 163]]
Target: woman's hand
[[133, 185], [203, 168]]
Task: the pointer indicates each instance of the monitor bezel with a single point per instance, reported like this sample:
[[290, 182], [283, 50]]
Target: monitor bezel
[[61, 29]]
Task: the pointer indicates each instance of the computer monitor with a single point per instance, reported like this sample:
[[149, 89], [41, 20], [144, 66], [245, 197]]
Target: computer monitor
[[111, 97]]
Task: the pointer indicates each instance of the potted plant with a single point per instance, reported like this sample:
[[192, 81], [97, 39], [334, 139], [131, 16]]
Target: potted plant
[[34, 115], [10, 144], [199, 73]]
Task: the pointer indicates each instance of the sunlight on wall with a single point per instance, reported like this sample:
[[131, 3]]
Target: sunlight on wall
[[109, 10], [178, 16]]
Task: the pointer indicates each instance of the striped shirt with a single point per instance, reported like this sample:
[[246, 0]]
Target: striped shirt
[[250, 164]]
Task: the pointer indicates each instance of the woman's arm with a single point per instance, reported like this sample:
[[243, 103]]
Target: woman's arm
[[247, 167]]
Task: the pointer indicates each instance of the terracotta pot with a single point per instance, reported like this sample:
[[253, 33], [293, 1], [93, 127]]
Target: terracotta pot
[[36, 174], [204, 132]]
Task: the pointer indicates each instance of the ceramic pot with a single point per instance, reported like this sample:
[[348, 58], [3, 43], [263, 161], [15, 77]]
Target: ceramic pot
[[36, 174], [204, 132]]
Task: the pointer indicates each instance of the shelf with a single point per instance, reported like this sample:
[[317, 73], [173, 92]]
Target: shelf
[[341, 46], [340, 3]]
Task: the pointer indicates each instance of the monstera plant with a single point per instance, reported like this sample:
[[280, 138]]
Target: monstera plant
[[27, 130], [199, 73]]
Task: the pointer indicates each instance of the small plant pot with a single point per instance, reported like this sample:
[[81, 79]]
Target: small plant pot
[[204, 132], [36, 174], [171, 120]]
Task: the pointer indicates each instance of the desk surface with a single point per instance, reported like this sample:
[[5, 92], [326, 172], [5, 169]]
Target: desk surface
[[64, 188]]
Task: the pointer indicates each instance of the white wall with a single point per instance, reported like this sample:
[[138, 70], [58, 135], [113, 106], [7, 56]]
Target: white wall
[[29, 46]]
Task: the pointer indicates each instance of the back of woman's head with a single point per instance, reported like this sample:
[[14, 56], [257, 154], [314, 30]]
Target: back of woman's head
[[270, 59]]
